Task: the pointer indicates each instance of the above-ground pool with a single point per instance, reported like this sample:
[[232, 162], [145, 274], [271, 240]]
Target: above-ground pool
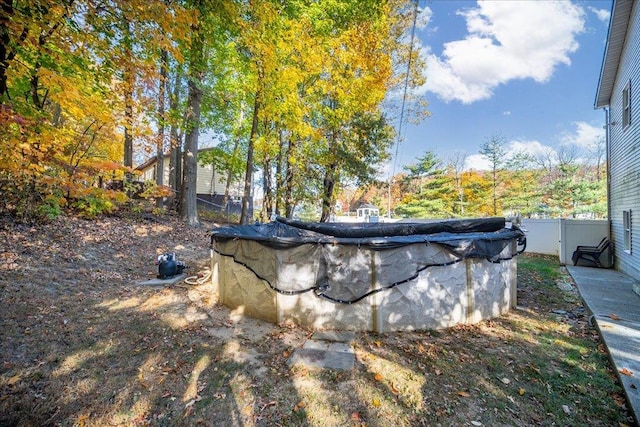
[[372, 277]]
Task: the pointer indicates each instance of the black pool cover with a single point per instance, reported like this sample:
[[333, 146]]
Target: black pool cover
[[477, 238]]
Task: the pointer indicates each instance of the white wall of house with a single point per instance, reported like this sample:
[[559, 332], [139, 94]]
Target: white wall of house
[[625, 151]]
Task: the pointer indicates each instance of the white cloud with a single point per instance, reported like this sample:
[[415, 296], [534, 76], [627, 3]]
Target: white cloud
[[584, 136], [424, 17], [506, 40], [477, 162], [534, 148], [602, 14]]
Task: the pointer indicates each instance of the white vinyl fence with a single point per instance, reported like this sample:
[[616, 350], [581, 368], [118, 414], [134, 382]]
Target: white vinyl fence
[[561, 236]]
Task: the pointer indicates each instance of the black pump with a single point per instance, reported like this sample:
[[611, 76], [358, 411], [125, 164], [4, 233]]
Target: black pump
[[169, 266]]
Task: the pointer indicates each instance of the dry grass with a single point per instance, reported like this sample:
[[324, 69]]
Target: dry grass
[[81, 344]]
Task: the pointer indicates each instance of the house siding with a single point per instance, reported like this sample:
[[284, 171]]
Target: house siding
[[625, 153], [208, 180]]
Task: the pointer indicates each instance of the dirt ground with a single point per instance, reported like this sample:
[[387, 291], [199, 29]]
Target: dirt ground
[[83, 344]]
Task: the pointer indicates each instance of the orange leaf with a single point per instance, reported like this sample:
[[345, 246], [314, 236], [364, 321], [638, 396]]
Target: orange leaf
[[394, 390], [355, 416], [82, 420], [299, 406], [625, 371], [378, 377], [614, 316], [463, 394]]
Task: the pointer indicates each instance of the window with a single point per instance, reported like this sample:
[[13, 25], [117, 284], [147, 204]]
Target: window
[[626, 105], [626, 224]]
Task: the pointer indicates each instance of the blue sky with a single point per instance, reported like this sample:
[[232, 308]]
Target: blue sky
[[524, 70]]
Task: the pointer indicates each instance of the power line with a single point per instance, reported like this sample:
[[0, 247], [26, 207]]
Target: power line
[[404, 100]]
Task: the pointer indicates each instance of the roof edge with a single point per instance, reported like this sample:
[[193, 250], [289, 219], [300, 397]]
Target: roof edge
[[616, 35]]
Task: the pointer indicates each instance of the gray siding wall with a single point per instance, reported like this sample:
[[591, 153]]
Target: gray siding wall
[[625, 152]]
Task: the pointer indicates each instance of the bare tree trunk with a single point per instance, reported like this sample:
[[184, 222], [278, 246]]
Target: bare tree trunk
[[279, 177], [5, 54], [248, 179], [288, 180], [328, 186], [161, 123], [128, 137], [267, 188], [129, 81], [175, 156], [188, 205], [227, 186]]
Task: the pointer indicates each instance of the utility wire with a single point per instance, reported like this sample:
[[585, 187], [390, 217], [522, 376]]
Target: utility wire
[[404, 100]]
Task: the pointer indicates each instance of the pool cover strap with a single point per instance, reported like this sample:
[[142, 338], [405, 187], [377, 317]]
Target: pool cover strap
[[478, 238], [484, 239]]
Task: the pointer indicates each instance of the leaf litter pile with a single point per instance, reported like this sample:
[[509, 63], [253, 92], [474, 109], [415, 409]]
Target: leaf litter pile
[[83, 344]]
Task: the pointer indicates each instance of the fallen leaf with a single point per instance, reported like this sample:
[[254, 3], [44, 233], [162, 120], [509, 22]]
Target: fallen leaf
[[82, 420], [376, 403], [566, 409], [266, 405], [300, 405], [378, 377], [521, 392], [476, 423], [438, 372], [394, 390], [625, 371], [188, 410], [614, 316], [463, 394], [355, 416], [378, 343], [505, 381], [619, 400], [13, 380]]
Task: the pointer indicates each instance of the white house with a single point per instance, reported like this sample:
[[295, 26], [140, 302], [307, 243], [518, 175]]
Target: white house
[[368, 213], [210, 183], [618, 94]]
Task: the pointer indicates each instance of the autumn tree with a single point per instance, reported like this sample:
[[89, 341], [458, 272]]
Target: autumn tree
[[432, 195], [494, 150], [455, 169], [87, 67], [57, 145]]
